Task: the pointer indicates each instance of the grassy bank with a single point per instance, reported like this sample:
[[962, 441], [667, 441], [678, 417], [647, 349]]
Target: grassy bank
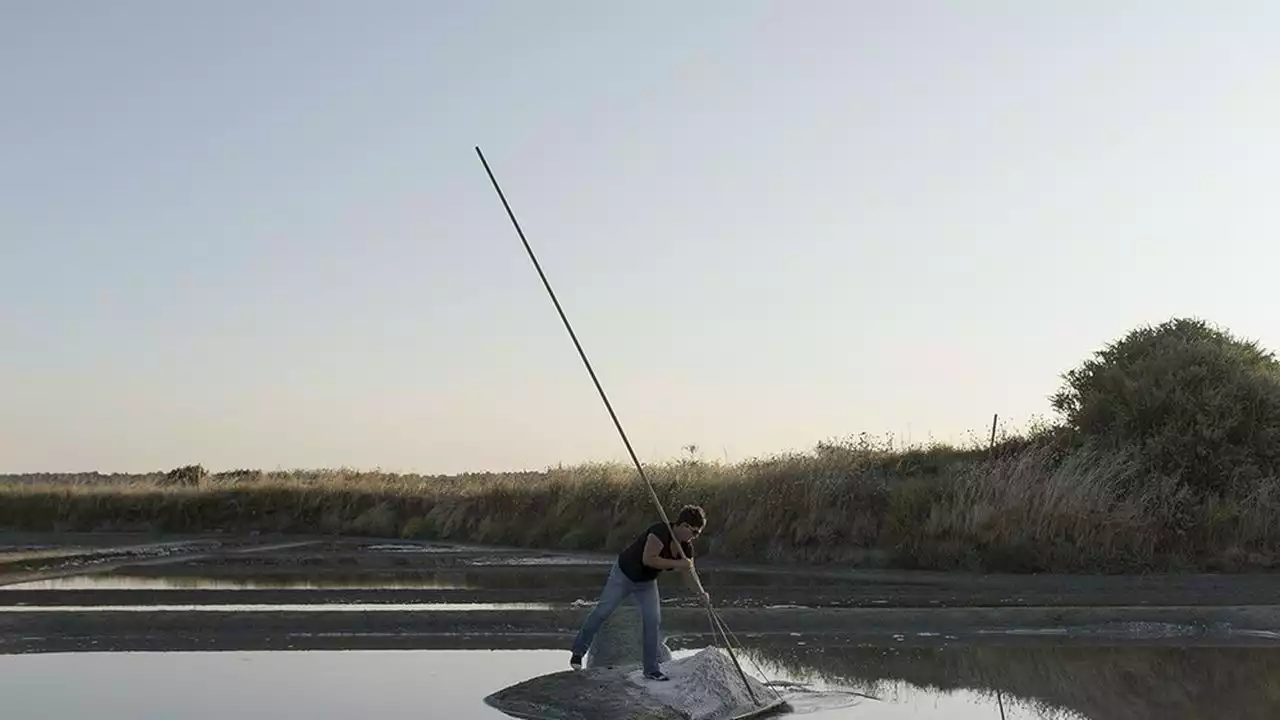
[[944, 508], [1167, 458]]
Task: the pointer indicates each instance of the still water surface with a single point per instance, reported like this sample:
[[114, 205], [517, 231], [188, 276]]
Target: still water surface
[[387, 685], [277, 608], [110, 581], [479, 576]]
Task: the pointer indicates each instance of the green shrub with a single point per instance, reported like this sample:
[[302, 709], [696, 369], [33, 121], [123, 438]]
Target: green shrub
[[1200, 405], [185, 476]]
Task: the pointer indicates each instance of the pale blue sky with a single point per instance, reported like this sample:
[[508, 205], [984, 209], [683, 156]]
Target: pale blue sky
[[256, 234]]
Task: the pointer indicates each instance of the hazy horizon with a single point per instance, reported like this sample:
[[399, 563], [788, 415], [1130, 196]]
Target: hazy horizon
[[257, 235]]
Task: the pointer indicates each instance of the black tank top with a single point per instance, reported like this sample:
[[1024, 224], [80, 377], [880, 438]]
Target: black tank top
[[631, 559]]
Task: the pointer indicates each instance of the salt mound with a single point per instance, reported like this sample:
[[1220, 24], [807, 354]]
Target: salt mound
[[706, 686], [703, 686], [618, 642]]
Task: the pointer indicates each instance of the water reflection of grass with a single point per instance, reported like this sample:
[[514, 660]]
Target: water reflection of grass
[[192, 582], [491, 577], [1098, 683], [208, 577]]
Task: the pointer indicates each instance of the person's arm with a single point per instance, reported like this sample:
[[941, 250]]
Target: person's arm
[[693, 584], [690, 582], [653, 546]]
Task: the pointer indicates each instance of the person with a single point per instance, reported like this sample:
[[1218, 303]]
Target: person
[[635, 574]]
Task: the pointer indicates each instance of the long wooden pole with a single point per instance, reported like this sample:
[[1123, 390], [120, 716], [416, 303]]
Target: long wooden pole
[[609, 406]]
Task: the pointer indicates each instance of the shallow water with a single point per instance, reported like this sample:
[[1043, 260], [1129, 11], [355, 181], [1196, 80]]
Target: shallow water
[[111, 581], [278, 607], [508, 573], [907, 702], [217, 686], [346, 684], [1117, 681]]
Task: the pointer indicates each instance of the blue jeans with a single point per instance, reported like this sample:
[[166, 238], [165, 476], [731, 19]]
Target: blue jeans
[[617, 588]]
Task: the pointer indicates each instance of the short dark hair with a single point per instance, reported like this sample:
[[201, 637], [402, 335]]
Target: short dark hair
[[692, 515]]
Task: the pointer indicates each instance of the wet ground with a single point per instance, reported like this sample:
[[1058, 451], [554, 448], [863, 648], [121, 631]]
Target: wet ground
[[204, 627]]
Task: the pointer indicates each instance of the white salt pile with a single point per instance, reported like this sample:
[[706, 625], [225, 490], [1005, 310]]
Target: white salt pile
[[702, 686], [705, 686]]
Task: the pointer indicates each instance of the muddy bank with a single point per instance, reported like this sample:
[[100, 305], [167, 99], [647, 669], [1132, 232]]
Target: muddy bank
[[279, 569], [833, 604], [23, 560], [30, 630]]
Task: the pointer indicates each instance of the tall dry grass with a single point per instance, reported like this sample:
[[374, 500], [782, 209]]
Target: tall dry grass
[[1166, 458], [1024, 508]]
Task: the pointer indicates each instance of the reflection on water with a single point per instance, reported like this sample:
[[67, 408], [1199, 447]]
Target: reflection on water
[[906, 701], [390, 685], [197, 576], [385, 684], [112, 581], [830, 699], [1064, 683], [987, 683], [540, 561], [277, 607]]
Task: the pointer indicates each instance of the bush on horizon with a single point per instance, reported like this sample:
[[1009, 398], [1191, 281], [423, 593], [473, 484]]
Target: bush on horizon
[[1198, 405]]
